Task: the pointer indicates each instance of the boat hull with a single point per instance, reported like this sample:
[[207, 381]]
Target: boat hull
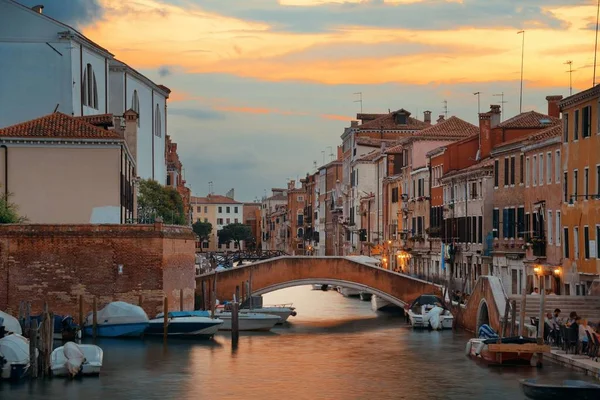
[[283, 314], [569, 390], [476, 348], [319, 286], [183, 327], [417, 321], [118, 330], [90, 367], [248, 323], [21, 372], [347, 292]]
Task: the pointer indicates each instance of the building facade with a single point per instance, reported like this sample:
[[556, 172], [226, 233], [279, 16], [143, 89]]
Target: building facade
[[176, 179], [219, 211]]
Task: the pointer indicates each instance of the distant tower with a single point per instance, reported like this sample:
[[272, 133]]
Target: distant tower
[[230, 194]]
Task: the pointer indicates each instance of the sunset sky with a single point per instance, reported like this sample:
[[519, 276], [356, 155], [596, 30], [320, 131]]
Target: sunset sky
[[262, 87]]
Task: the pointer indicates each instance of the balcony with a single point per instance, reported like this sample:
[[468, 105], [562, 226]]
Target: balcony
[[539, 247]]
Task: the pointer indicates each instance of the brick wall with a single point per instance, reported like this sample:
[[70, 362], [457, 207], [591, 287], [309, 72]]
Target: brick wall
[[57, 263]]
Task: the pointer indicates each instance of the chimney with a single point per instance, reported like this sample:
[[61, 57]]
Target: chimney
[[340, 153], [292, 185], [485, 135], [441, 119], [38, 9], [495, 116], [427, 117], [353, 124], [553, 108], [131, 131]]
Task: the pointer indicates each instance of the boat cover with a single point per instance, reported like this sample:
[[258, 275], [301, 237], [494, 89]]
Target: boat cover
[[15, 349], [181, 314], [11, 324], [511, 340], [74, 357], [119, 312], [435, 319], [486, 332]]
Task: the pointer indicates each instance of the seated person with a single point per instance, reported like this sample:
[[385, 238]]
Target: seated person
[[535, 291]]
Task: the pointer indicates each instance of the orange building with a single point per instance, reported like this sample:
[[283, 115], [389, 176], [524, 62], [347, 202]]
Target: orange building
[[296, 212], [252, 218], [581, 189], [175, 177]]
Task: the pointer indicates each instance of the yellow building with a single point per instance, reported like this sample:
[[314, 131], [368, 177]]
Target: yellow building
[[580, 163], [219, 211]]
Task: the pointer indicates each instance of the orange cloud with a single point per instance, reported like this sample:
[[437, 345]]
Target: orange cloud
[[335, 117], [256, 110]]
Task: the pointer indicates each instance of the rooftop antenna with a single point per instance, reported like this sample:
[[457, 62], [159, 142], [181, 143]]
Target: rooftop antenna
[[502, 102], [210, 187], [330, 152], [445, 109], [570, 71], [522, 58], [596, 44], [359, 100], [478, 94], [315, 165], [323, 154]]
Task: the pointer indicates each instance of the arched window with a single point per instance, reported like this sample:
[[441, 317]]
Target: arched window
[[300, 232], [157, 122], [89, 89], [135, 105]]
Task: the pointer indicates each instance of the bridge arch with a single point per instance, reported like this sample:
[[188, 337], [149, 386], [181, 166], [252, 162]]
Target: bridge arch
[[287, 271]]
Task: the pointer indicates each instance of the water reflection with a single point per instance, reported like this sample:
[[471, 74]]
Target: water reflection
[[334, 348]]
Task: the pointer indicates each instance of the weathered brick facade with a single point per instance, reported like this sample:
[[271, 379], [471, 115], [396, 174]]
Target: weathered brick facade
[[57, 263]]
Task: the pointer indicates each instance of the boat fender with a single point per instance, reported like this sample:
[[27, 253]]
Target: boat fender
[[468, 349], [294, 313]]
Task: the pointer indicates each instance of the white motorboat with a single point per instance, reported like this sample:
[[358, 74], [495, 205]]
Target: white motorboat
[[248, 321], [73, 359], [428, 311], [10, 323], [118, 319], [14, 357], [347, 292], [283, 311], [196, 324], [320, 286]]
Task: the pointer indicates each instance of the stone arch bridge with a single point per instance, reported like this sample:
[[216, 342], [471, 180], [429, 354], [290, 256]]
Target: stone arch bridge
[[287, 271]]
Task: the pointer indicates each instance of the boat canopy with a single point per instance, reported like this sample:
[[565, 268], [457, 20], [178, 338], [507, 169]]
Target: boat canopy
[[119, 312], [181, 314], [427, 299], [10, 323], [15, 349]]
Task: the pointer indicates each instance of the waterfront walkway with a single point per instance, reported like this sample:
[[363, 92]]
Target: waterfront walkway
[[576, 361]]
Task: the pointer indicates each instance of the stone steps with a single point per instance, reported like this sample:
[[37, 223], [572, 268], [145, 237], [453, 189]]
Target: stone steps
[[586, 306]]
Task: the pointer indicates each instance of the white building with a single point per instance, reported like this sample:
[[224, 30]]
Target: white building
[[49, 66]]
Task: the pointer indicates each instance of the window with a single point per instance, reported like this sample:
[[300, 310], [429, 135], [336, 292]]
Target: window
[[576, 243], [300, 219], [533, 171], [236, 221], [480, 230], [550, 231], [199, 209], [89, 89], [586, 121], [473, 190], [586, 242], [300, 199], [558, 228], [576, 126], [496, 222], [506, 180], [505, 223], [541, 169], [235, 210], [496, 171], [586, 173], [565, 127], [566, 239], [597, 241], [575, 188], [220, 210], [205, 209], [527, 226], [598, 179], [219, 221], [512, 170], [512, 223], [205, 219], [228, 210], [228, 220], [520, 222], [135, 105], [157, 122], [394, 195], [205, 245], [549, 167], [300, 233], [565, 187], [521, 170], [557, 167], [527, 171]]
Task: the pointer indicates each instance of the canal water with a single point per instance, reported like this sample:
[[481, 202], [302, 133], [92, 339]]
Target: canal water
[[336, 348]]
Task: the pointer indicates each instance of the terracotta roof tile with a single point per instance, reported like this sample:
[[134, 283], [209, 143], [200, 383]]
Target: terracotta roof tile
[[214, 199], [367, 141], [552, 131], [58, 125], [369, 156], [453, 127], [486, 163], [98, 120], [388, 123], [530, 119]]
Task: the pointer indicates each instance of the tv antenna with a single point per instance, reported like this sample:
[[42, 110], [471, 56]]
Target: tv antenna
[[570, 71], [502, 102], [330, 152], [478, 94], [359, 100], [210, 187], [445, 109]]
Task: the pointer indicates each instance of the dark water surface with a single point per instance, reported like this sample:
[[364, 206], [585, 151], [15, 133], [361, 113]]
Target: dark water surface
[[336, 348]]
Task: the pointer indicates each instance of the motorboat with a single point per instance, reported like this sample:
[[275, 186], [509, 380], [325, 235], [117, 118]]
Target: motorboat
[[365, 296], [506, 351], [248, 321], [347, 292], [428, 311], [118, 319], [569, 389], [65, 327], [10, 323], [14, 356], [74, 359], [283, 311], [320, 286], [197, 324]]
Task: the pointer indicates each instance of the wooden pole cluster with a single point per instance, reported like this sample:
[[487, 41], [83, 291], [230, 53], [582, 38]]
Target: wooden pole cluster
[[513, 317], [165, 318], [33, 345], [522, 313]]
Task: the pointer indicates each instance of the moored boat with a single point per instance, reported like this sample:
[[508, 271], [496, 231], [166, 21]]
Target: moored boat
[[74, 359], [348, 292], [506, 351], [569, 389], [283, 311], [428, 311], [365, 296], [118, 319], [14, 357], [249, 321], [319, 286], [10, 323], [196, 324], [65, 327]]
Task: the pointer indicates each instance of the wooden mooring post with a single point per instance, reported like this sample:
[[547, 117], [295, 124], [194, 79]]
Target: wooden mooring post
[[540, 332], [33, 345], [235, 322], [140, 300], [180, 299], [522, 312], [80, 321], [204, 302], [513, 317], [94, 318], [213, 297], [165, 318]]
